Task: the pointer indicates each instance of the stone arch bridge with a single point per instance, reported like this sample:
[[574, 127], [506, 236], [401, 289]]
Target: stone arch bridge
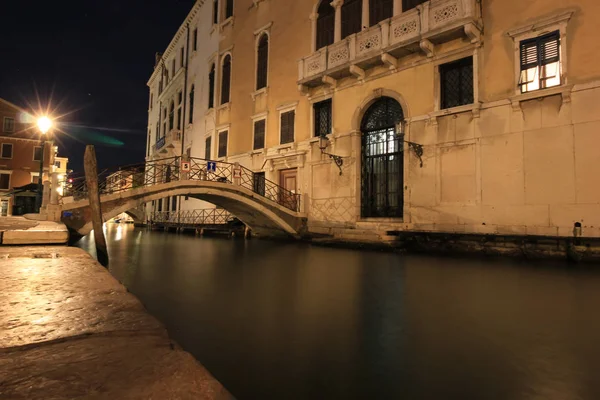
[[267, 208]]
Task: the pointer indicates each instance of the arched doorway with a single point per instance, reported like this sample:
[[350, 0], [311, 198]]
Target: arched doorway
[[382, 176]]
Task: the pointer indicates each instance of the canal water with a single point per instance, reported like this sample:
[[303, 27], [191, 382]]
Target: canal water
[[276, 320]]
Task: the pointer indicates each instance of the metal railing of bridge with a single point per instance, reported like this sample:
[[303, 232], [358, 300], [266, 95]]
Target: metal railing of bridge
[[208, 216], [119, 179]]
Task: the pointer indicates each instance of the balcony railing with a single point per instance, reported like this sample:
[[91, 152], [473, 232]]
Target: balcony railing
[[399, 35], [169, 141]]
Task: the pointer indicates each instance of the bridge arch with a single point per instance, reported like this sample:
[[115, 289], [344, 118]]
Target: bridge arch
[[264, 216]]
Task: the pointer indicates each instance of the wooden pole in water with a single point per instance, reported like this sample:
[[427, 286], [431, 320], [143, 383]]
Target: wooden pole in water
[[90, 166]]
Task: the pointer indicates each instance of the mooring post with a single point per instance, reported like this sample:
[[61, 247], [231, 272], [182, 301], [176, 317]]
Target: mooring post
[[90, 167]]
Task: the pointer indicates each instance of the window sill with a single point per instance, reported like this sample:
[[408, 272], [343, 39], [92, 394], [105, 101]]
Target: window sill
[[209, 112], [257, 152], [226, 106], [564, 91], [258, 92], [474, 108], [228, 21]]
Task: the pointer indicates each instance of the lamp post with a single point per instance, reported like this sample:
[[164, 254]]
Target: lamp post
[[44, 124]]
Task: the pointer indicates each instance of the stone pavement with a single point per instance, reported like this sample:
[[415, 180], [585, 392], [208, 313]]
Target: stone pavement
[[22, 231], [69, 330]]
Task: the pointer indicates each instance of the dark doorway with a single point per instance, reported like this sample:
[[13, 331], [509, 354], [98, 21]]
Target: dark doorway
[[382, 184]]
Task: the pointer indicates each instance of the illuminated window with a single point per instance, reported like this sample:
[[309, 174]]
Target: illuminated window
[[540, 62]]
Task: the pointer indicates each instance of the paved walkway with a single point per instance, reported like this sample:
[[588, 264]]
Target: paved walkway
[[71, 331]]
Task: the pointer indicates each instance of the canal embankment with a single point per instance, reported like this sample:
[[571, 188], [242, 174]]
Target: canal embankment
[[70, 330]]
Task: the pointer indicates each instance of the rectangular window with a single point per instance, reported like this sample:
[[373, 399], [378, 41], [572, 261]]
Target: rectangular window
[[195, 40], [259, 183], [207, 149], [540, 62], [9, 124], [215, 11], [351, 17], [223, 144], [35, 177], [287, 126], [7, 150], [4, 181], [322, 116], [181, 57], [228, 9], [410, 4], [380, 10], [37, 153], [173, 68], [456, 83], [151, 100], [259, 134]]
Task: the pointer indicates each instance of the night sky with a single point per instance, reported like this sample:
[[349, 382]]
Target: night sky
[[91, 60]]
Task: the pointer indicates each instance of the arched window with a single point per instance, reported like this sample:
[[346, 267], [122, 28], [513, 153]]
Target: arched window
[[191, 119], [380, 10], [351, 17], [382, 177], [325, 24], [226, 79], [171, 114], [262, 61], [211, 87]]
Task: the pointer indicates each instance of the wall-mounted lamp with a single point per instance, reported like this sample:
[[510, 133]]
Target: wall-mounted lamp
[[416, 147], [323, 143]]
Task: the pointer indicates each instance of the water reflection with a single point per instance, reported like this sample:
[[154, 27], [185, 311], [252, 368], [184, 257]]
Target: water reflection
[[286, 320]]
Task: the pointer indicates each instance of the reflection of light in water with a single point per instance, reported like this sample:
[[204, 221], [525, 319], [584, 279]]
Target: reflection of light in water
[[119, 234]]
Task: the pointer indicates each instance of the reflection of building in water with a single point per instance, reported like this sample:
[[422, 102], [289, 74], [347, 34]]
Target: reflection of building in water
[[449, 115]]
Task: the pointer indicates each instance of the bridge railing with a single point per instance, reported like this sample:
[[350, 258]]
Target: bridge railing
[[115, 180], [208, 216]]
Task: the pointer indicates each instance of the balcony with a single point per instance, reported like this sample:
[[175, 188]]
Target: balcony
[[168, 142], [419, 29]]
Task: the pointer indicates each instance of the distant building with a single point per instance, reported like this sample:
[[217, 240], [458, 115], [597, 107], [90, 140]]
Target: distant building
[[20, 154], [448, 116], [124, 180]]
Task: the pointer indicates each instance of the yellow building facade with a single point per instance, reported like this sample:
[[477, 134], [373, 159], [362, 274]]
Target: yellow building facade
[[459, 116]]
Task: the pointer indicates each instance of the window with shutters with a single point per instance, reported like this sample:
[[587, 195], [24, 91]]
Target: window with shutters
[[540, 62], [351, 17], [410, 4], [287, 126], [223, 144], [262, 61], [259, 183], [7, 150], [322, 117], [208, 148], [456, 83], [211, 87], [228, 8], [380, 10], [259, 134], [325, 24], [226, 79]]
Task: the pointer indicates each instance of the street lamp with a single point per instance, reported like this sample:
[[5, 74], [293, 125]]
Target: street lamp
[[323, 143], [44, 124]]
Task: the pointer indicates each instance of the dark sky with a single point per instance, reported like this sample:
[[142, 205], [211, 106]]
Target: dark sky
[[92, 59]]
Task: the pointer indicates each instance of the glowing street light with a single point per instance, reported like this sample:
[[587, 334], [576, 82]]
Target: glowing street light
[[44, 124]]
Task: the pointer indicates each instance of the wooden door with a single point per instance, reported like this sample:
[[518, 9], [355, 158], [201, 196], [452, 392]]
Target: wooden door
[[288, 181]]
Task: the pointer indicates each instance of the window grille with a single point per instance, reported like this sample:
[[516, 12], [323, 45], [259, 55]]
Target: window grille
[[322, 117], [223, 144], [259, 134], [456, 81]]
